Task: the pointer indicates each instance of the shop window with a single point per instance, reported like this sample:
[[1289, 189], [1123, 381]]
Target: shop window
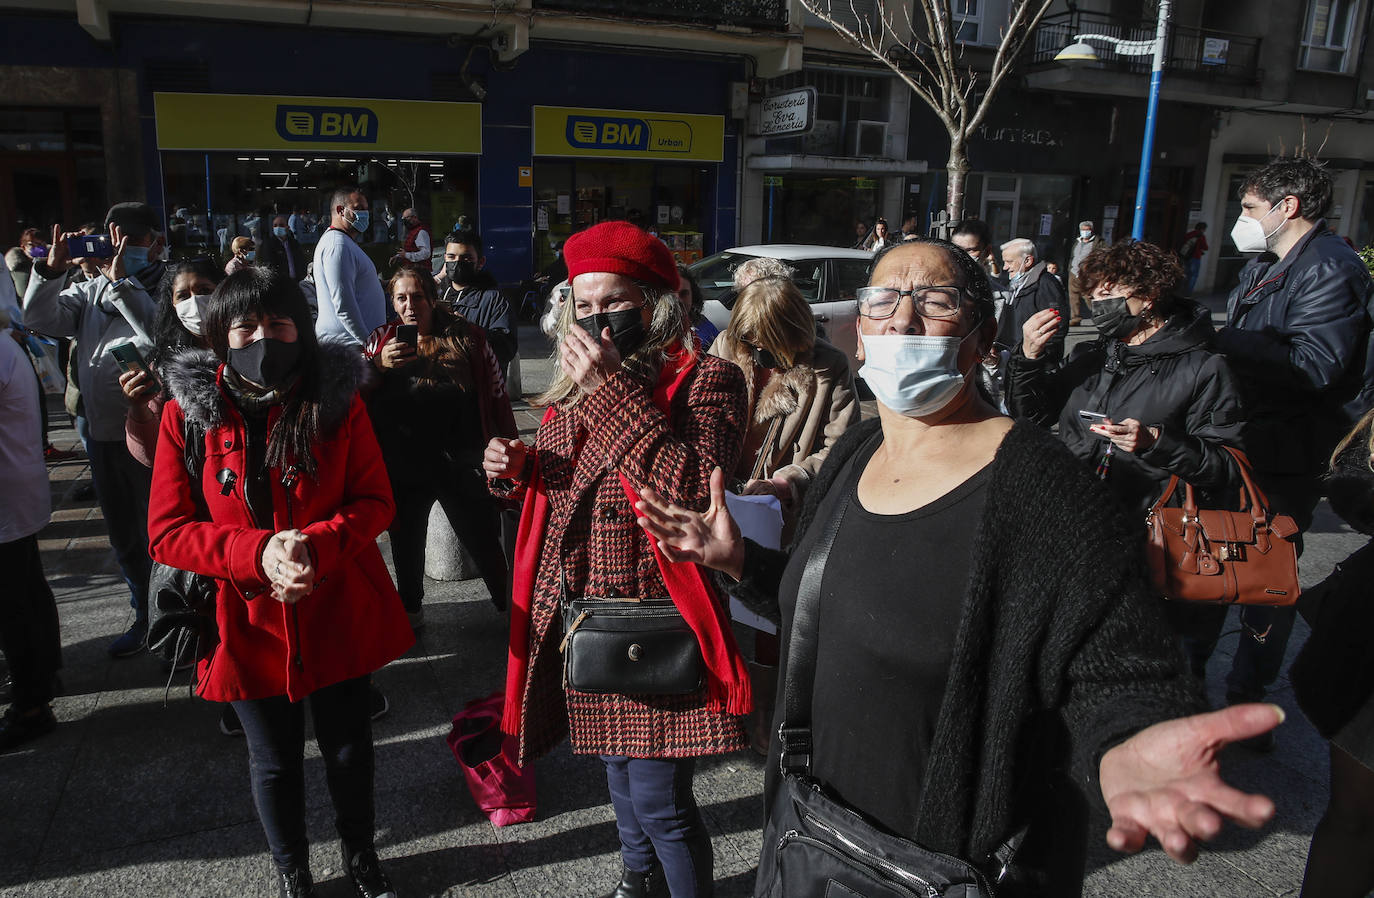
[[1326, 37], [817, 210], [52, 168], [849, 110], [968, 20]]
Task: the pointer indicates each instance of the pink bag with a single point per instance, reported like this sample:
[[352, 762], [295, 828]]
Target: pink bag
[[502, 789]]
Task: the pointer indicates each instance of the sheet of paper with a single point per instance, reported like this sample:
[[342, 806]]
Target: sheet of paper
[[760, 519]]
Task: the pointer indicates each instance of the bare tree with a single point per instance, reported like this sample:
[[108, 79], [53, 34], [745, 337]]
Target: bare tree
[[929, 60]]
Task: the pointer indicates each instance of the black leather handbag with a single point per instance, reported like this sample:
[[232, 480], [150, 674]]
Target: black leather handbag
[[817, 847], [181, 604], [629, 647]]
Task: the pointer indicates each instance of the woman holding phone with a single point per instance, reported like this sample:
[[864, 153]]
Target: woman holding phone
[[284, 516], [440, 399]]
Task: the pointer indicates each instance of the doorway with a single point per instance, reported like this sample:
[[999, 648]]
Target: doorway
[[1001, 205]]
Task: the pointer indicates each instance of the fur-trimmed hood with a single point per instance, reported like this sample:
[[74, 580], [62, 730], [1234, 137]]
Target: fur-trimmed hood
[[191, 378], [782, 395]]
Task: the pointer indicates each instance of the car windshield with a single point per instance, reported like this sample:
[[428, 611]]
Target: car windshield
[[716, 273]]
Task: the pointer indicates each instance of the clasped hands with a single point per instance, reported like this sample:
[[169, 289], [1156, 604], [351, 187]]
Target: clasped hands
[[1164, 781], [287, 564]]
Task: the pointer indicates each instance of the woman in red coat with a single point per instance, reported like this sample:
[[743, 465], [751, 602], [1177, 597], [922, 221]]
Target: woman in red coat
[[635, 404], [291, 497]]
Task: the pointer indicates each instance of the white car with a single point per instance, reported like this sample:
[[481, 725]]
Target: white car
[[826, 275]]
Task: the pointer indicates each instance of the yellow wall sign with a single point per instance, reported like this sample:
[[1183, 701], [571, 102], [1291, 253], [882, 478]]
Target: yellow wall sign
[[317, 124], [624, 134]]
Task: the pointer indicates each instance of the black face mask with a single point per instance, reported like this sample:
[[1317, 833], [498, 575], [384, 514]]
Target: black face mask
[[764, 358], [461, 271], [627, 329], [1113, 318], [267, 363]]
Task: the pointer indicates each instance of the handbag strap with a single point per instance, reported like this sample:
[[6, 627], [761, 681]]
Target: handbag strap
[[794, 735]]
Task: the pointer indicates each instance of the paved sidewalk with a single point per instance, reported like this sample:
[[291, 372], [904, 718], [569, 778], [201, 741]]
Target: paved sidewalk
[[137, 793]]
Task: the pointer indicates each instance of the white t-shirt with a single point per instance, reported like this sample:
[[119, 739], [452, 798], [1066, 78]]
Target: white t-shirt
[[25, 499], [352, 301]]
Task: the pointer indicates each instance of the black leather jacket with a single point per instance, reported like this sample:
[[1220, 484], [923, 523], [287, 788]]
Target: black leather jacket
[[1173, 381], [1297, 339]]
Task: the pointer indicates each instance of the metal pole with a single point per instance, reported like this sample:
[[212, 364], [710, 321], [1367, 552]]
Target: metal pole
[[1147, 149]]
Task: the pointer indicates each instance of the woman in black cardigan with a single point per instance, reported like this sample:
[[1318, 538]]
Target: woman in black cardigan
[[1028, 678]]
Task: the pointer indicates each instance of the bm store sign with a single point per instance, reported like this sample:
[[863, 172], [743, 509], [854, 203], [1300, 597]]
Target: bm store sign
[[252, 122], [623, 134]]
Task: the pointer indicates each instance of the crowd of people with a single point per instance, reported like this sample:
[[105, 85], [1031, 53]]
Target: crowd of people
[[993, 668]]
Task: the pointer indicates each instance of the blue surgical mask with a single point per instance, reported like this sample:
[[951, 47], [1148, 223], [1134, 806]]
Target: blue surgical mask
[[361, 219], [251, 255], [279, 233], [913, 374], [135, 259]]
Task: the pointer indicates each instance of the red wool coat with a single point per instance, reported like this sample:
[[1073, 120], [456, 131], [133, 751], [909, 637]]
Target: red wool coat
[[353, 623], [592, 537]]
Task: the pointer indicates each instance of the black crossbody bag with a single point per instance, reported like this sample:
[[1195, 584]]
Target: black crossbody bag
[[817, 847]]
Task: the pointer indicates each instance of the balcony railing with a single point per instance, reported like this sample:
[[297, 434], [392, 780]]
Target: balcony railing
[[764, 15], [1195, 52]]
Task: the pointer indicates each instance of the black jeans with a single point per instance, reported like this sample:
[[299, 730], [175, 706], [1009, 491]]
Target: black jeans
[[29, 632], [275, 731], [475, 518], [122, 485], [657, 816]]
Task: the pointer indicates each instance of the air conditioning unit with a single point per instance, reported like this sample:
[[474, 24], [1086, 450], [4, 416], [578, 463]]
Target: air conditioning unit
[[865, 139]]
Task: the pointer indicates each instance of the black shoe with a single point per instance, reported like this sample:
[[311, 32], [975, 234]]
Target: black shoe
[[296, 884], [379, 704], [17, 727], [229, 723], [84, 493], [366, 872], [131, 642], [634, 884]]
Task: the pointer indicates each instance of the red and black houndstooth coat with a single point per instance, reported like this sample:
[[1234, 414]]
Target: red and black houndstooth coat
[[592, 536]]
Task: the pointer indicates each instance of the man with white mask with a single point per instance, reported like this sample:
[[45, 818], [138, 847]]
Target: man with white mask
[[1296, 335]]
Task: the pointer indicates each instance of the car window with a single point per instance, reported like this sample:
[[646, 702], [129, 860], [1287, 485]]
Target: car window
[[850, 275], [808, 277], [715, 274]]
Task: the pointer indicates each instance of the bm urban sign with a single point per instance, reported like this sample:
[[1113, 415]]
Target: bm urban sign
[[627, 134], [336, 124]]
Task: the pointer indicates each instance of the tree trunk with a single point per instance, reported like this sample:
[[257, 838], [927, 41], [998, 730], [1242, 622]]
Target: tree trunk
[[957, 172]]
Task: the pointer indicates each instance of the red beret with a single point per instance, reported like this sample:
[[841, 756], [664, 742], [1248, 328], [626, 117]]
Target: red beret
[[618, 247]]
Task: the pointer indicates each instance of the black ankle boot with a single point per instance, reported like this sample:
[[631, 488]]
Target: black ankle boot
[[296, 884], [634, 884]]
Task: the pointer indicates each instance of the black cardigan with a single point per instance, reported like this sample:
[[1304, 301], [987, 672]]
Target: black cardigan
[[1060, 645]]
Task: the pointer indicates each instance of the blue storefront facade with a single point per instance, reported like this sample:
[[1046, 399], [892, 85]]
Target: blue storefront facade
[[523, 202]]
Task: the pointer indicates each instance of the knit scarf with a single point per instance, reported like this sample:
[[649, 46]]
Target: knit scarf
[[727, 679]]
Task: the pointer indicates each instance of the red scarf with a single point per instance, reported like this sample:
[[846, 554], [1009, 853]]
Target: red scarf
[[727, 679]]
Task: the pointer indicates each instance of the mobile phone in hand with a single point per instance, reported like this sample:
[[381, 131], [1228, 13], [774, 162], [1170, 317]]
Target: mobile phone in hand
[[129, 359], [408, 334], [90, 245], [1090, 417]]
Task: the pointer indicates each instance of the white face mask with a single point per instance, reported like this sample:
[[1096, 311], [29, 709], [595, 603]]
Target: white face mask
[[191, 311], [912, 374], [1248, 233], [1085, 234]]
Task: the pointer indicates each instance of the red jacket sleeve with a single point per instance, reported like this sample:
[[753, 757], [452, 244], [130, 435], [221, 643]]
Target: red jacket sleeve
[[175, 536], [367, 508]]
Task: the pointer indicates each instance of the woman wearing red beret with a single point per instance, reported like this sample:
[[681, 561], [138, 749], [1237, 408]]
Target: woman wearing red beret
[[635, 404]]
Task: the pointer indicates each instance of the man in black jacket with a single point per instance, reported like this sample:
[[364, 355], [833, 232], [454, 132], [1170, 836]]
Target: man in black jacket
[[467, 288], [1296, 336], [282, 252], [1031, 290]]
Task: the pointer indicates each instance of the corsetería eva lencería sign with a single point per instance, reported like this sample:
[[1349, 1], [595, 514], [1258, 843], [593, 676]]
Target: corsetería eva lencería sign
[[793, 112]]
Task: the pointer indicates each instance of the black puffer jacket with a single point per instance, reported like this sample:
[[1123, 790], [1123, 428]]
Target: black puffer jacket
[[1039, 290], [1173, 381], [1297, 338]]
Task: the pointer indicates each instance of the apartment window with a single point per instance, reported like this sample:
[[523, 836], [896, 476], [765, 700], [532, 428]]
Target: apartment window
[[1327, 35], [968, 20]]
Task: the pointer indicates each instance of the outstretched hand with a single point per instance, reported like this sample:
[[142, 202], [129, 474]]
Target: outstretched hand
[[1165, 781], [712, 539]]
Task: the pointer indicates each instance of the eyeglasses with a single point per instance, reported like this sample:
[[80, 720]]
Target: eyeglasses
[[937, 302]]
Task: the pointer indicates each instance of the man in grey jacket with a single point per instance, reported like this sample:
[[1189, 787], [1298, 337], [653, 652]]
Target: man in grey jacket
[[102, 312]]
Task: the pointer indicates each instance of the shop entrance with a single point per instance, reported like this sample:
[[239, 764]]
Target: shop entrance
[[667, 199], [821, 211], [52, 170]]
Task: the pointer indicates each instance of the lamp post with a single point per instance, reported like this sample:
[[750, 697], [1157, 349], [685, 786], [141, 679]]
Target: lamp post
[[1081, 51]]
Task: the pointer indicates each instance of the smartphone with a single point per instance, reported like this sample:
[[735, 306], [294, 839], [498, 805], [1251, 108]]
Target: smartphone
[[1090, 417], [129, 359], [408, 334], [90, 245], [38, 252]]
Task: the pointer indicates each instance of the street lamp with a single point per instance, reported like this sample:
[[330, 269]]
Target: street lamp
[[1081, 51]]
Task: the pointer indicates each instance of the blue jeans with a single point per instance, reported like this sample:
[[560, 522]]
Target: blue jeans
[[274, 729], [122, 485], [658, 818], [1193, 267]]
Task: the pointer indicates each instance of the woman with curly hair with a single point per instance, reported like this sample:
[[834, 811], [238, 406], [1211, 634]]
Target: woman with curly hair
[[1145, 401]]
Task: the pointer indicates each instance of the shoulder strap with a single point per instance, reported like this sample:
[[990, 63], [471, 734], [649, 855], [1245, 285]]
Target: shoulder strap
[[795, 733]]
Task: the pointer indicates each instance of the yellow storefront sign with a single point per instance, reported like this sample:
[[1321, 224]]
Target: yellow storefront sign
[[317, 124], [626, 134]]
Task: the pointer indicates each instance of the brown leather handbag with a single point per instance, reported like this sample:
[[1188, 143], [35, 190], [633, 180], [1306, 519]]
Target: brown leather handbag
[[1246, 557]]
